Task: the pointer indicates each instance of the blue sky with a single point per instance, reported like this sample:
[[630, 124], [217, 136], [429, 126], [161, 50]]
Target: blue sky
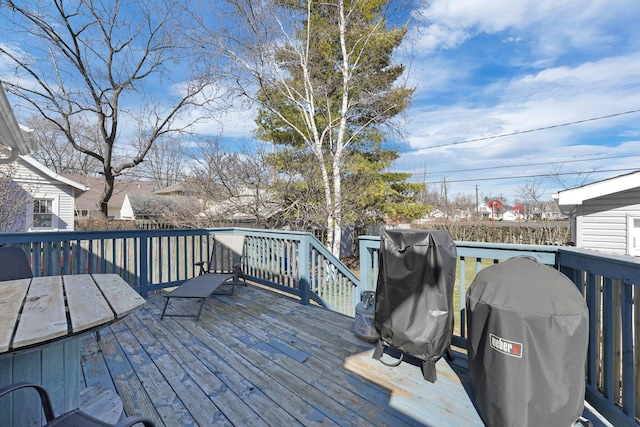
[[487, 68], [497, 67], [504, 67]]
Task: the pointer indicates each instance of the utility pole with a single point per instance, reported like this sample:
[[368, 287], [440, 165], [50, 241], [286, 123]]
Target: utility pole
[[446, 202], [477, 207]]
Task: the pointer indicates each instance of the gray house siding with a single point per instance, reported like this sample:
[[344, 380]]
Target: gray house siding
[[602, 222]]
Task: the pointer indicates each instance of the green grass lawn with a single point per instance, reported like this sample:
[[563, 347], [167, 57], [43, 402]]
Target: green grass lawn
[[470, 275]]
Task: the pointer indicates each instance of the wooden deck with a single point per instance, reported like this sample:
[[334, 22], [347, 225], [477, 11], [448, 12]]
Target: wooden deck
[[259, 358]]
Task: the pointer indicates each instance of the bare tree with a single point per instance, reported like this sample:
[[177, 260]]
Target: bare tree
[[13, 200], [54, 151], [166, 163], [236, 184], [109, 67], [537, 206], [562, 178]]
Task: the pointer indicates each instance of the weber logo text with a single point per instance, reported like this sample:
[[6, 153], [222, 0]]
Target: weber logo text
[[510, 348]]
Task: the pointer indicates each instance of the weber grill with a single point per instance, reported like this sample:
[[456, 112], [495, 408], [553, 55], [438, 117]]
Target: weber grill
[[414, 295], [527, 344]]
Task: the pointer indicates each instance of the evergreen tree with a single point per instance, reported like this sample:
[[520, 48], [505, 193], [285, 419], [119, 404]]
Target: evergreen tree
[[328, 104]]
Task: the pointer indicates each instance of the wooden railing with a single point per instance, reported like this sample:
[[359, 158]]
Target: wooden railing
[[298, 264], [609, 284], [151, 260]]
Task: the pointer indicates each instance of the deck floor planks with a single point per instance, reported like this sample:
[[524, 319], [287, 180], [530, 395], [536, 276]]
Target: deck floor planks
[[259, 358], [139, 395], [446, 394], [95, 372], [256, 338], [316, 321], [317, 328], [288, 373], [225, 370], [227, 401], [183, 386], [280, 395], [443, 394], [325, 369]]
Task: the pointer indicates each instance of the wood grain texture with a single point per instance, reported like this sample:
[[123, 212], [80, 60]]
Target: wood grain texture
[[12, 295], [87, 306], [43, 316], [122, 298]]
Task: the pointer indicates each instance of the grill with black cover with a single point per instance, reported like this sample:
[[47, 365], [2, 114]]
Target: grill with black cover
[[414, 295]]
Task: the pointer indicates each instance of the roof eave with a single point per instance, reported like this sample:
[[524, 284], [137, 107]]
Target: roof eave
[[11, 135]]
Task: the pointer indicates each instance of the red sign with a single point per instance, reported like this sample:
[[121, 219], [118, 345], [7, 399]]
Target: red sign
[[518, 208], [494, 204]]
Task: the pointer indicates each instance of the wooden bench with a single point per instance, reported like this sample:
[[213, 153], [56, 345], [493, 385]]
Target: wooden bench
[[201, 287]]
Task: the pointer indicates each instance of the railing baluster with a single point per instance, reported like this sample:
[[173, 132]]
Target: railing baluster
[[628, 379], [607, 339], [592, 367], [303, 271], [462, 280]]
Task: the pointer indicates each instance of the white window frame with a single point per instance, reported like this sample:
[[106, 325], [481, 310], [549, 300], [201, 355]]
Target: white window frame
[[633, 235], [54, 212]]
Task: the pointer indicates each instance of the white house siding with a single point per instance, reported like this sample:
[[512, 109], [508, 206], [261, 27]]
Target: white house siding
[[39, 186], [602, 222], [66, 209], [126, 212]]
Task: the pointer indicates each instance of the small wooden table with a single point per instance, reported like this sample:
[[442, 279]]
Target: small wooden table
[[41, 320]]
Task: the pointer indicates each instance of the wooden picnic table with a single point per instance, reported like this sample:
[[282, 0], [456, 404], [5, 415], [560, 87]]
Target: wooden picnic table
[[41, 320]]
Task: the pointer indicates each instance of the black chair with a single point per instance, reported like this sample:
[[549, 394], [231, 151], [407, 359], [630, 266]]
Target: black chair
[[15, 264], [75, 418], [226, 258]]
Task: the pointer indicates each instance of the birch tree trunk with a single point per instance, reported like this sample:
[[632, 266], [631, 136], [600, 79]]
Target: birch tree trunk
[[325, 82]]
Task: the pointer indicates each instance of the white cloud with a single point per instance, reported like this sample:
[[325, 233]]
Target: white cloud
[[234, 123], [550, 26], [521, 102]]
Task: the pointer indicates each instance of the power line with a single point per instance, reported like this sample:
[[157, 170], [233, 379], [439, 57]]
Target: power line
[[523, 165], [531, 176], [503, 135]]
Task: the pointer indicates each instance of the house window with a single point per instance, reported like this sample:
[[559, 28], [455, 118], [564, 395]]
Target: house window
[[43, 213]]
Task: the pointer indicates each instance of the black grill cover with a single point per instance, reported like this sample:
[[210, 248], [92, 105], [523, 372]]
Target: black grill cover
[[527, 343], [414, 294]]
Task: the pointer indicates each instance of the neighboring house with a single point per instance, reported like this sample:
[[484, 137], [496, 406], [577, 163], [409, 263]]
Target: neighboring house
[[509, 216], [249, 208], [157, 207], [179, 189], [49, 197], [453, 214], [605, 215], [44, 200], [88, 204], [547, 210], [484, 211]]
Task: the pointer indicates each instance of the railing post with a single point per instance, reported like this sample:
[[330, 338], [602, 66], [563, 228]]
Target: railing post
[[303, 272], [366, 269], [144, 264], [366, 263]]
